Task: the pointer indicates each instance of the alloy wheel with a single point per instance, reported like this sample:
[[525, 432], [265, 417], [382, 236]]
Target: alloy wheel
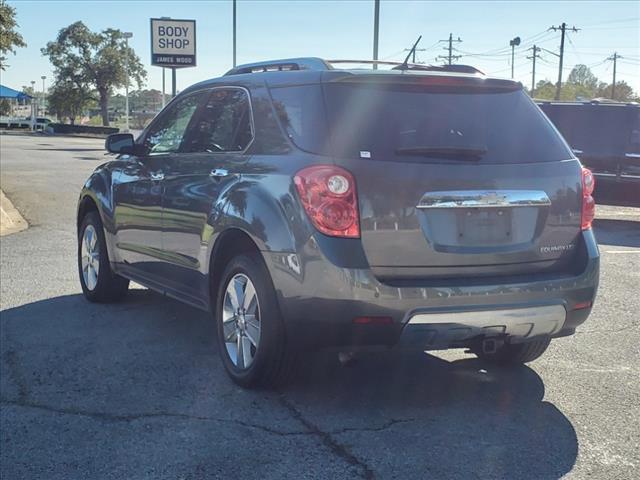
[[90, 254], [241, 321]]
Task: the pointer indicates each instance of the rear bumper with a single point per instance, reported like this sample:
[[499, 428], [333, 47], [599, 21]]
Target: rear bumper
[[445, 329], [320, 300]]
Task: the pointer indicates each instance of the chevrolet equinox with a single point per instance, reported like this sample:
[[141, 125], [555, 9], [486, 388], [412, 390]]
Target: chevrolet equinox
[[309, 206]]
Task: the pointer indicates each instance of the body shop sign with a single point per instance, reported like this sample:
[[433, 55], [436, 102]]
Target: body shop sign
[[173, 42]]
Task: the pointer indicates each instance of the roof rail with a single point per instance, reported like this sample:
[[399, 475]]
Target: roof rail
[[315, 63], [304, 63]]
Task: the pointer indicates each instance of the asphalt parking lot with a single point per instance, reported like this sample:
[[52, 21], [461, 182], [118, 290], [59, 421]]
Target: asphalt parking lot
[[136, 390]]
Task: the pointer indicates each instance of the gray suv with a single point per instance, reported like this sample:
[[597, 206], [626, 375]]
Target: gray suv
[[307, 206]]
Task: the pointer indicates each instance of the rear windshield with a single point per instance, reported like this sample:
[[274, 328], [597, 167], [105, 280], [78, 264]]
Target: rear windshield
[[402, 122]]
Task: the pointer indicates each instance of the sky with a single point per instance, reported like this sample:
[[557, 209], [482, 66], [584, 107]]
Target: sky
[[269, 29]]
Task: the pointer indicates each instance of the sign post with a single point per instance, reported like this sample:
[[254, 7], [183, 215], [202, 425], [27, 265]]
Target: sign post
[[173, 45]]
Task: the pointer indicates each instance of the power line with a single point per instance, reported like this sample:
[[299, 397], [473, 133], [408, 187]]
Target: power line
[[573, 48], [619, 20], [413, 52]]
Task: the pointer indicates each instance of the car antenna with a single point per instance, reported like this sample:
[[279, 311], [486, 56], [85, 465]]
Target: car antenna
[[405, 64]]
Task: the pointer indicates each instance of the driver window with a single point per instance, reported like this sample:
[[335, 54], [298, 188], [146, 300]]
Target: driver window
[[167, 133], [224, 124]]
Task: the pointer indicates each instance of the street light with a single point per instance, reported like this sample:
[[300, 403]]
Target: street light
[[513, 44], [127, 36], [43, 77]]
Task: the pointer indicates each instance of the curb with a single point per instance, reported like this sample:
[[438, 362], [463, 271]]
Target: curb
[[10, 219]]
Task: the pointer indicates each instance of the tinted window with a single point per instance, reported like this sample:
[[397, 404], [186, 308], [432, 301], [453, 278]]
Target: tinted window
[[375, 121], [168, 131], [301, 113], [224, 125]]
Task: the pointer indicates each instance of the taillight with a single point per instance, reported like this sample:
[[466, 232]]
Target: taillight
[[588, 203], [328, 194]]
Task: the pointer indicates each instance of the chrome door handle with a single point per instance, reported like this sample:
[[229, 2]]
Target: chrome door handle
[[219, 173], [157, 176]]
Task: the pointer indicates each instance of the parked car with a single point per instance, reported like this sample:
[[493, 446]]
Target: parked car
[[605, 136], [24, 123], [307, 206]]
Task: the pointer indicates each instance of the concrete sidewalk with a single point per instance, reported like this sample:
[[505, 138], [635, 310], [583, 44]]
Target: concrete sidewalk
[[10, 219]]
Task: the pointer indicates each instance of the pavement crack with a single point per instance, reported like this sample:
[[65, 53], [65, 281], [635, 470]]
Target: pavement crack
[[384, 426], [110, 417], [327, 439]]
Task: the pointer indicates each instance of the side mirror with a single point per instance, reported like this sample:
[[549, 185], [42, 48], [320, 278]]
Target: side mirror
[[120, 143]]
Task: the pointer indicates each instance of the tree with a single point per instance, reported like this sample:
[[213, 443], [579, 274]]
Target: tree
[[5, 107], [584, 85], [29, 90], [545, 90], [582, 75], [581, 84], [624, 93], [66, 100], [10, 39], [97, 61]]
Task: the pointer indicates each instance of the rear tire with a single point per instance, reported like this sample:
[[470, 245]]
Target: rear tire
[[99, 283], [515, 354], [262, 357]]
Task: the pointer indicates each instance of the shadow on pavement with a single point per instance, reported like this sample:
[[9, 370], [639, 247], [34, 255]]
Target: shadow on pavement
[[624, 233], [404, 415], [458, 419], [71, 149]]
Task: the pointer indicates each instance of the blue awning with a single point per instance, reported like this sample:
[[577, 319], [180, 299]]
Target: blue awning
[[6, 92]]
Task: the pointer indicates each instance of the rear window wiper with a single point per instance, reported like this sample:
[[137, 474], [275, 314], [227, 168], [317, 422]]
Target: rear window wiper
[[447, 152]]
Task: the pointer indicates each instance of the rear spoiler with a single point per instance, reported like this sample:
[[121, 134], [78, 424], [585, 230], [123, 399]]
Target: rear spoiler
[[431, 80]]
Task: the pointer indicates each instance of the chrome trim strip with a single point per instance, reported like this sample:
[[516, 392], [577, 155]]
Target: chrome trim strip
[[515, 322], [484, 199], [632, 155]]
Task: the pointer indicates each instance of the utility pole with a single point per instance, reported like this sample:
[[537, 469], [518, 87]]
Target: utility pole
[[127, 36], [563, 29], [533, 57], [376, 26], [513, 44], [164, 101], [34, 105], [234, 36], [450, 56], [163, 87], [614, 58]]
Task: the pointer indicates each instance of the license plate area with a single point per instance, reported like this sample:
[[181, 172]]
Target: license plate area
[[484, 226]]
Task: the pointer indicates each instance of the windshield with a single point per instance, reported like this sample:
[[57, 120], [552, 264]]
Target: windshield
[[409, 123]]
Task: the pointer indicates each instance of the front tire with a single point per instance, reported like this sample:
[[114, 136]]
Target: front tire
[[515, 354], [99, 283], [251, 334]]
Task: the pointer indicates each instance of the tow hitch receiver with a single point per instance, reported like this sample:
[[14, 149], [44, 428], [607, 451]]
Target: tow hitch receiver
[[491, 345]]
